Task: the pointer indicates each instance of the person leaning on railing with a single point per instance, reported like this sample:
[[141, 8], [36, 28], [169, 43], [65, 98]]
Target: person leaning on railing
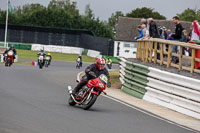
[[140, 30], [153, 32]]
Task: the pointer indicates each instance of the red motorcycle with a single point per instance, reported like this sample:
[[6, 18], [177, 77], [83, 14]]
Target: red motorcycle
[[9, 58], [88, 94]]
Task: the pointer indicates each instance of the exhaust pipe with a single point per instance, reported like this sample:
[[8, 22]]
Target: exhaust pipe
[[70, 89]]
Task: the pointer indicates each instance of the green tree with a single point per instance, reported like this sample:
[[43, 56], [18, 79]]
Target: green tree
[[113, 20], [64, 4], [59, 13], [189, 15], [88, 12], [145, 12]]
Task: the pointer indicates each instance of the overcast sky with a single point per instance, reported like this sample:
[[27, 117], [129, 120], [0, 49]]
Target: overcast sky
[[104, 8]]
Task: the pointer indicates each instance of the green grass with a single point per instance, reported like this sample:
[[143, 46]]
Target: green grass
[[28, 54], [114, 77]]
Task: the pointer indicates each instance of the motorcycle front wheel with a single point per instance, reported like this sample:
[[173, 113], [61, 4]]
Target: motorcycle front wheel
[[93, 98], [71, 101], [40, 65]]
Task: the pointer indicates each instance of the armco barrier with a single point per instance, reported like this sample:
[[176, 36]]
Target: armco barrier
[[173, 91], [60, 49], [18, 45]]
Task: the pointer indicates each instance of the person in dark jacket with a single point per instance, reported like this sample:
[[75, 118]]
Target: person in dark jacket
[[176, 36], [91, 72], [153, 32], [11, 48]]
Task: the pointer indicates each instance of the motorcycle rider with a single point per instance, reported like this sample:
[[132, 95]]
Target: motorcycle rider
[[41, 53], [50, 58], [79, 59], [14, 51], [91, 72], [108, 60]]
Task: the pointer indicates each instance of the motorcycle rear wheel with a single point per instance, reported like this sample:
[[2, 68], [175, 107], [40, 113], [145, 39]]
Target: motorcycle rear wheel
[[91, 102]]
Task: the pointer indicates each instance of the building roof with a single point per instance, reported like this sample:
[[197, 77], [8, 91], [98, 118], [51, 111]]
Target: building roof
[[126, 28]]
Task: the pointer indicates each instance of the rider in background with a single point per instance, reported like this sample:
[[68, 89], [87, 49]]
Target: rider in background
[[49, 55], [11, 48], [108, 60], [79, 59], [91, 72], [42, 53]]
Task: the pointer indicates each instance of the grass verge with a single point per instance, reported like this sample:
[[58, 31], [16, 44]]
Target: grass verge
[[114, 79], [28, 54]]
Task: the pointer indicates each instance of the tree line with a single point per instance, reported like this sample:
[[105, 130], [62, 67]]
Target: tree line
[[65, 14]]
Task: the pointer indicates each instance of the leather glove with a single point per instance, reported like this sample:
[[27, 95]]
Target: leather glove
[[108, 84]]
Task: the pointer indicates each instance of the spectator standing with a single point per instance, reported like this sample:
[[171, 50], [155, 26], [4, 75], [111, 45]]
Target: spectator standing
[[195, 35], [184, 39], [163, 33], [140, 30], [153, 32], [169, 33], [195, 31], [143, 21], [176, 36], [145, 32]]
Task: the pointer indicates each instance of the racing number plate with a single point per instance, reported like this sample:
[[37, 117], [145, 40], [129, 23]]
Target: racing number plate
[[104, 78]]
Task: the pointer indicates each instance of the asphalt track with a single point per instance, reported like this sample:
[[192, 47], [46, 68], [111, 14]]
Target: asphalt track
[[35, 101]]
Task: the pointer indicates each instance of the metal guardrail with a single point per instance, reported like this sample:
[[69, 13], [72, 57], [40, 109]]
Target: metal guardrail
[[173, 91]]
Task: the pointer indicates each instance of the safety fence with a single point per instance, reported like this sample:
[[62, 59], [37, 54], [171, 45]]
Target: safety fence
[[25, 46], [173, 91], [58, 37], [148, 50]]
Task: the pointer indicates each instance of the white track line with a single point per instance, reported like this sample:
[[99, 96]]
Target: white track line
[[150, 114]]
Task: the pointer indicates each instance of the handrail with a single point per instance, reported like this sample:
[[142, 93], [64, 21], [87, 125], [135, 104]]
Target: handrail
[[146, 47]]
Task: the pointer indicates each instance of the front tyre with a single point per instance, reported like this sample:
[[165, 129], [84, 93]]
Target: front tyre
[[71, 101], [40, 65], [91, 102]]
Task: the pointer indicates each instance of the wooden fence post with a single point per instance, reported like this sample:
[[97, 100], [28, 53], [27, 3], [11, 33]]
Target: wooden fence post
[[138, 50], [192, 61], [180, 58], [169, 55], [155, 52], [147, 50], [151, 51], [161, 53]]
